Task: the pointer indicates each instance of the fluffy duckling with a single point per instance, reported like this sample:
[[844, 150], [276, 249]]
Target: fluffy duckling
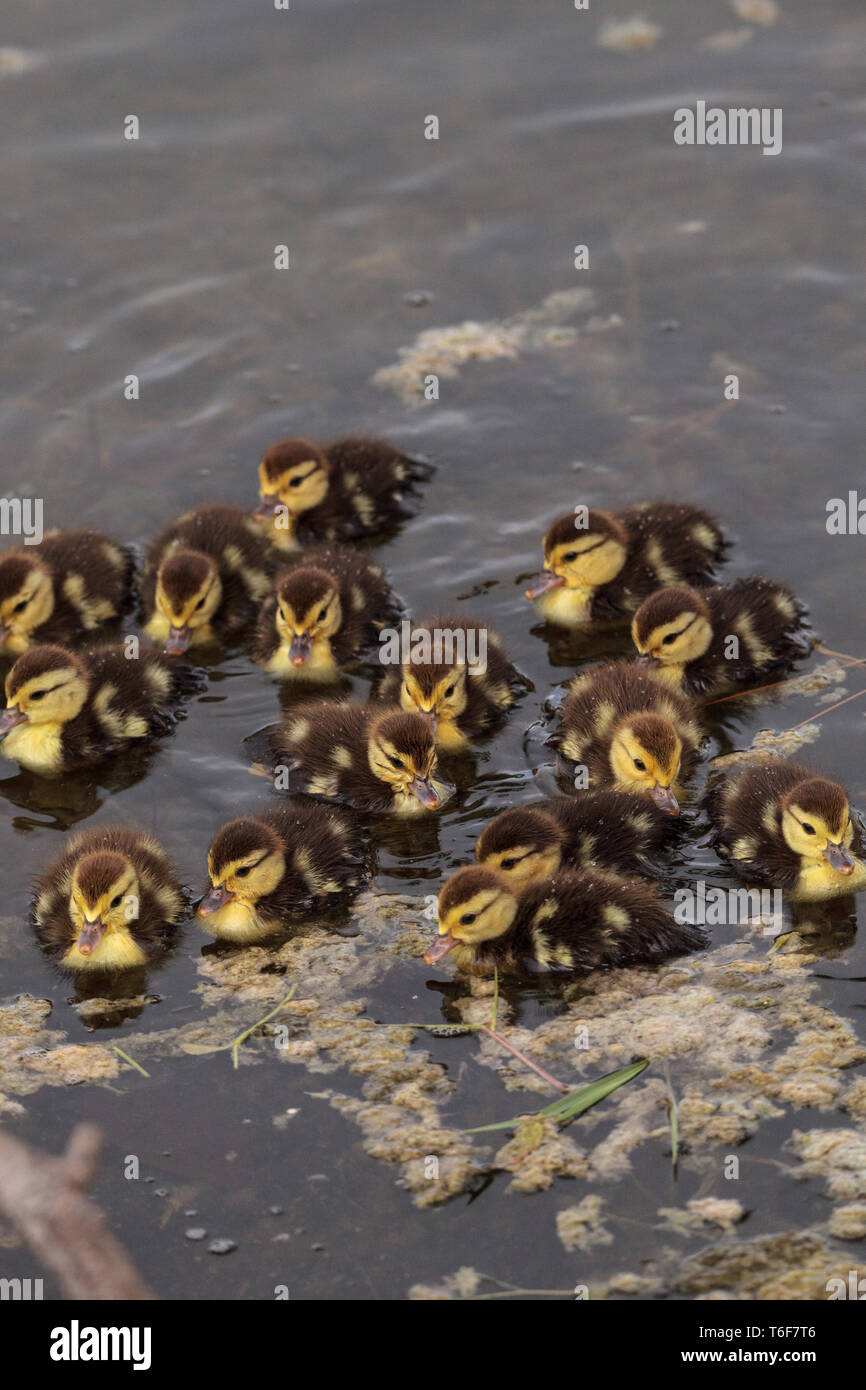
[[205, 578], [70, 584], [297, 858], [580, 920], [630, 731], [685, 635], [373, 759], [108, 902], [458, 676], [779, 825], [354, 487], [65, 710], [605, 830], [323, 615], [598, 566]]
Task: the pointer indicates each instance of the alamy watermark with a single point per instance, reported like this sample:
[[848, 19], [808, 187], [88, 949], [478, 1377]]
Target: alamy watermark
[[421, 646], [736, 125], [716, 907], [22, 517]]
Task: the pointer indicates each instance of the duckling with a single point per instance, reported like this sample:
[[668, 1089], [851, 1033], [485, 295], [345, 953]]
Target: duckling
[[297, 858], [600, 565], [458, 675], [70, 584], [65, 710], [605, 830], [630, 731], [323, 615], [108, 902], [376, 760], [779, 825], [582, 919], [685, 635], [205, 578], [354, 487]]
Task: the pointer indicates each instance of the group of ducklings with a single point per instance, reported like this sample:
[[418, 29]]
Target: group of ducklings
[[559, 886]]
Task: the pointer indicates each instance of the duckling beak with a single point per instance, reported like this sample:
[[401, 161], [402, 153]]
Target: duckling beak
[[441, 946], [267, 506], [4, 633], [840, 858], [646, 659], [432, 719], [178, 640], [426, 793], [90, 936], [214, 900], [9, 718], [545, 581], [665, 799], [299, 649]]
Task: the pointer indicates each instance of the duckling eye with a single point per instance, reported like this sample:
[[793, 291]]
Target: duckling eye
[[572, 555], [468, 918], [395, 762], [508, 864], [242, 873], [200, 603], [115, 902], [640, 765], [671, 637], [38, 694], [809, 829], [449, 691], [295, 482], [20, 606]]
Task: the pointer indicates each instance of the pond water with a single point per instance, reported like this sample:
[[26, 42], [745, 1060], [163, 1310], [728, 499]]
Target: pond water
[[156, 257]]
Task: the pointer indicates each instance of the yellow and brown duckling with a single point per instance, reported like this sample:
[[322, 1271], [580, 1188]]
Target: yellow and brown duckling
[[778, 825], [458, 675], [265, 869], [65, 709], [631, 731], [707, 641], [71, 584], [109, 902], [352, 488], [605, 830], [373, 759], [323, 615], [583, 919], [205, 578], [599, 566]]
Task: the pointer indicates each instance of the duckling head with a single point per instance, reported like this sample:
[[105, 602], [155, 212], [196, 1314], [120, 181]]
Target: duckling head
[[294, 475], [525, 845], [438, 691], [816, 823], [580, 558], [402, 753], [246, 862], [47, 685], [188, 593], [476, 904], [103, 905], [26, 599], [645, 754], [309, 614], [671, 628]]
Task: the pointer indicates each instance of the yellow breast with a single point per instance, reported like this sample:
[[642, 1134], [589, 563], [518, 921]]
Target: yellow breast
[[568, 607], [819, 880], [116, 951], [236, 921], [321, 665], [35, 746]]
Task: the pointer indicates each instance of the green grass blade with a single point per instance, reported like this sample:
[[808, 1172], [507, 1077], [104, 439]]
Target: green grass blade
[[567, 1108]]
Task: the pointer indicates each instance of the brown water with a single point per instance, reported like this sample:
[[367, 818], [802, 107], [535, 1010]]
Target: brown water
[[155, 257]]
